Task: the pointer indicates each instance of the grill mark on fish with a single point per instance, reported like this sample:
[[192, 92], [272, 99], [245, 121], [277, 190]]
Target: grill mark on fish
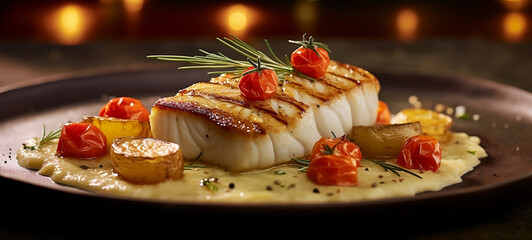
[[223, 98], [221, 118], [357, 82], [303, 89], [273, 114], [287, 99]]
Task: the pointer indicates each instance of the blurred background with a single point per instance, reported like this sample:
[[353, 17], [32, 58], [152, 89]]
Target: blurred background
[[479, 38]]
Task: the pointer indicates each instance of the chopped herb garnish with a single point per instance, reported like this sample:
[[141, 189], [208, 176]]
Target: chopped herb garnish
[[472, 152], [393, 168], [465, 116], [279, 172], [208, 183], [84, 167]]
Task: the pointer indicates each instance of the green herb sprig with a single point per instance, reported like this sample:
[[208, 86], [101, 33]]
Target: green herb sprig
[[394, 169], [35, 143], [236, 67], [303, 164]]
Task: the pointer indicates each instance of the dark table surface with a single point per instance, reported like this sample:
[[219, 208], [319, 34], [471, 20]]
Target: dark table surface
[[511, 64]]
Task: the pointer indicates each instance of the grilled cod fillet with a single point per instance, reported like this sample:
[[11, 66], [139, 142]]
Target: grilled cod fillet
[[214, 120]]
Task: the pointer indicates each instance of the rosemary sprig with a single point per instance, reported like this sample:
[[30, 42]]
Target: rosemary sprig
[[235, 67], [394, 169], [35, 143], [302, 164]]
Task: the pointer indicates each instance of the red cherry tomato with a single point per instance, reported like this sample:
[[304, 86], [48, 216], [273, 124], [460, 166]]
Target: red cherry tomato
[[420, 152], [340, 147], [81, 140], [331, 169], [125, 108], [306, 61], [383, 114], [258, 85], [334, 161]]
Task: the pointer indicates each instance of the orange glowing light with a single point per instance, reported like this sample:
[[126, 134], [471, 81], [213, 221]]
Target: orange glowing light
[[514, 5], [69, 24], [514, 26], [238, 18], [407, 24], [306, 15], [133, 6]]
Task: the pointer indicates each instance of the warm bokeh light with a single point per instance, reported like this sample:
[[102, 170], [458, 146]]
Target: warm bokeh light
[[514, 5], [407, 24], [306, 14], [238, 18], [69, 24], [514, 26], [133, 6]]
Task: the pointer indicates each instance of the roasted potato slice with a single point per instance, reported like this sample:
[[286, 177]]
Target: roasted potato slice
[[383, 141], [114, 127], [146, 160], [433, 123]]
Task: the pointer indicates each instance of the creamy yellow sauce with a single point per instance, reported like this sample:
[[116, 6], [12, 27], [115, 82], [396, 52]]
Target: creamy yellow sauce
[[281, 184]]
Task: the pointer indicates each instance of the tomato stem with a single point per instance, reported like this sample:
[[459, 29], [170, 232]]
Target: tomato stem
[[310, 44], [258, 67]]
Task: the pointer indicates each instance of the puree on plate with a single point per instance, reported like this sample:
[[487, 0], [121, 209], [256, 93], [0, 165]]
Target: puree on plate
[[279, 184]]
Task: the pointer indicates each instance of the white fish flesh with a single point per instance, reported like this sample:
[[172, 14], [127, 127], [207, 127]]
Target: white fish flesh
[[214, 120]]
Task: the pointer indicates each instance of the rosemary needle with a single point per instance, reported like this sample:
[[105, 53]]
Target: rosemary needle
[[394, 169]]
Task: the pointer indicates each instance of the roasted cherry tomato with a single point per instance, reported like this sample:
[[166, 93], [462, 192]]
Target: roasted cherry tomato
[[258, 83], [339, 146], [420, 152], [383, 114], [311, 59], [331, 169], [81, 140], [334, 161], [125, 108]]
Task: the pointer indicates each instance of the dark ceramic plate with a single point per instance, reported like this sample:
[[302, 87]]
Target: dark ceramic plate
[[504, 128]]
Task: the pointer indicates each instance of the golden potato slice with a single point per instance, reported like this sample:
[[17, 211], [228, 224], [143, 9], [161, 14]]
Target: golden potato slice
[[146, 160], [114, 127], [383, 141], [433, 123]]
